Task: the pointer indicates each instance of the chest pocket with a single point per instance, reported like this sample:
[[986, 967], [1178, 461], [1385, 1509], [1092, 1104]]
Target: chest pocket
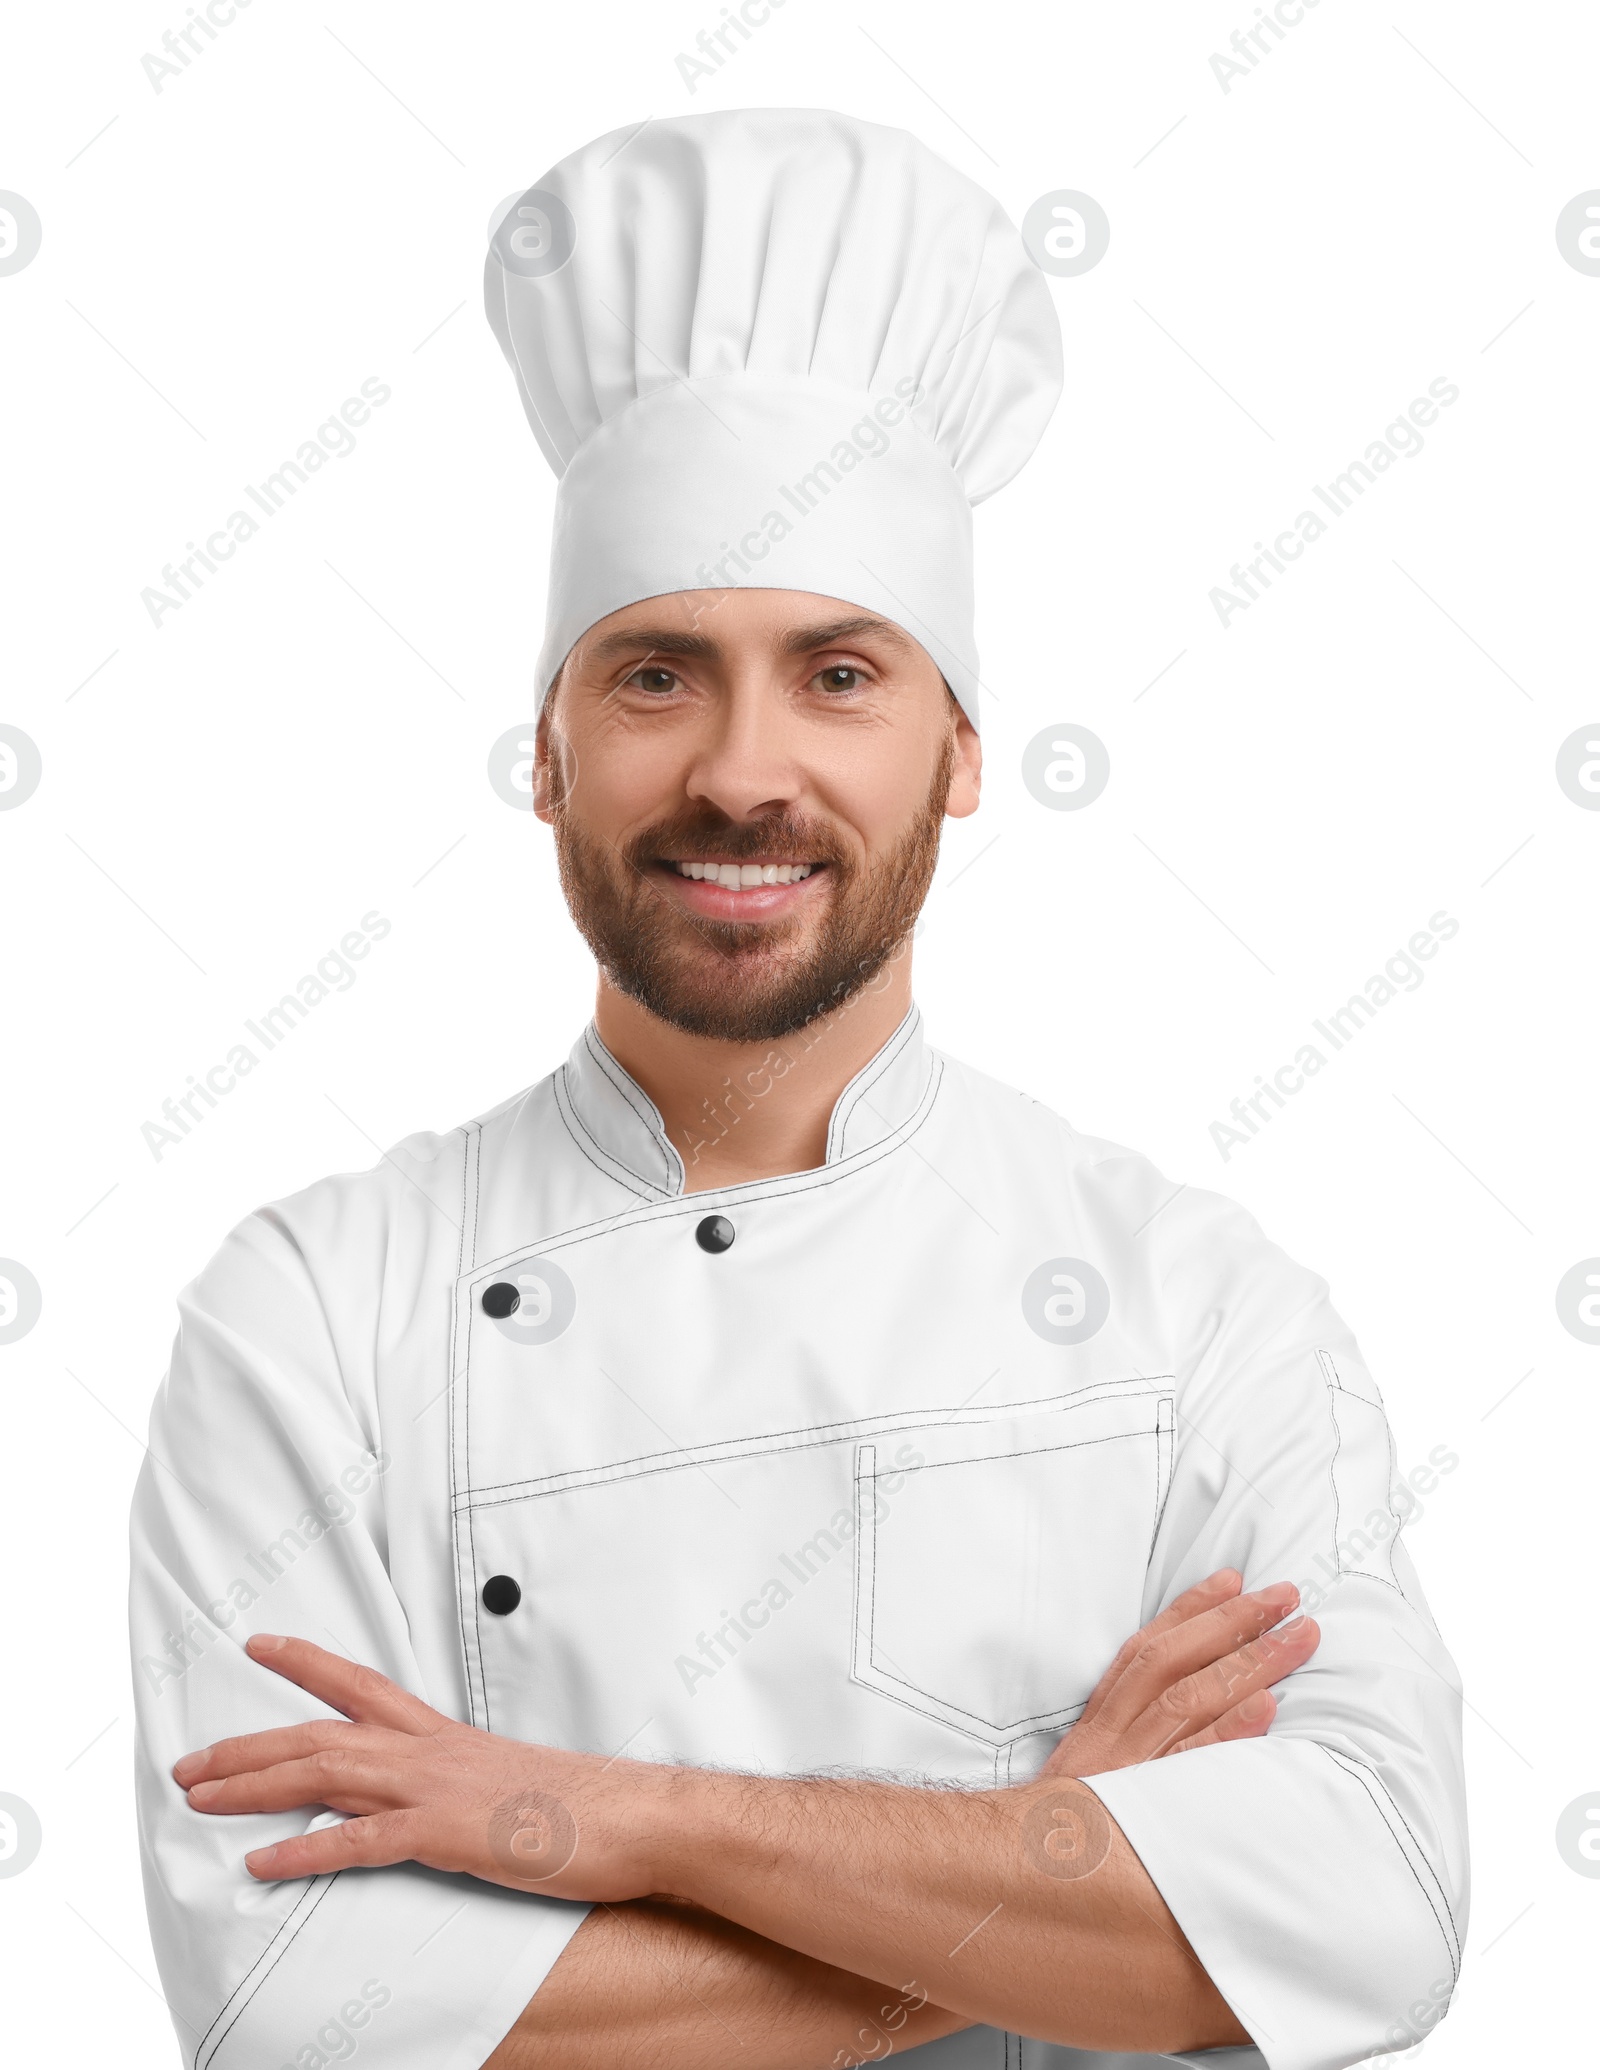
[[999, 1566]]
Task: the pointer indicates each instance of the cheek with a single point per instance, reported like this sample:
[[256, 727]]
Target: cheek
[[879, 788], [618, 786]]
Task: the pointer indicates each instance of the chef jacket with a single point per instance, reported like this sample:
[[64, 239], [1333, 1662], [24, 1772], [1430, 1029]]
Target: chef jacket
[[870, 1467]]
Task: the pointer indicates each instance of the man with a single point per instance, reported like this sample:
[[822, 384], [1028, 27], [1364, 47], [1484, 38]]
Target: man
[[740, 1554]]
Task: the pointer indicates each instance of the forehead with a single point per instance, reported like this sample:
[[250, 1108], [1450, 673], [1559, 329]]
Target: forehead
[[726, 625]]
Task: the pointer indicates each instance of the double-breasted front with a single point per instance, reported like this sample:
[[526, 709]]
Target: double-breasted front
[[867, 1467]]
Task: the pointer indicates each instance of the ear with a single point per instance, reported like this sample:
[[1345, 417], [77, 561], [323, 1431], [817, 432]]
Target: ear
[[966, 775], [548, 742]]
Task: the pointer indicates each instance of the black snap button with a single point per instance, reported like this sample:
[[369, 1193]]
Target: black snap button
[[715, 1234], [500, 1300], [501, 1595]]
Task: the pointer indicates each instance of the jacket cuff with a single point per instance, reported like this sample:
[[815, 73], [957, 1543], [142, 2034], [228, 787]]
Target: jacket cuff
[[421, 1970], [1307, 1899]]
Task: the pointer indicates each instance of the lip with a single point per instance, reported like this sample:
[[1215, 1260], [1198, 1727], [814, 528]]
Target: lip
[[758, 902]]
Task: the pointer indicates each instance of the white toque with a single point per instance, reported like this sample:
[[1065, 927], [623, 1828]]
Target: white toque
[[771, 348]]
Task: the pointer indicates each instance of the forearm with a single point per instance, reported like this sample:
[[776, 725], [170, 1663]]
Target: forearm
[[1022, 1908], [655, 1985]]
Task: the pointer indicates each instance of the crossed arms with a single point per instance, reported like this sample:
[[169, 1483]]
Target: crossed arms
[[1318, 1870], [803, 1921]]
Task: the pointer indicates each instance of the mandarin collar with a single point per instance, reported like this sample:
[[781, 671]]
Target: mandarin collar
[[618, 1124]]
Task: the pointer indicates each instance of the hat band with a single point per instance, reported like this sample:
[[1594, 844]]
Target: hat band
[[740, 482]]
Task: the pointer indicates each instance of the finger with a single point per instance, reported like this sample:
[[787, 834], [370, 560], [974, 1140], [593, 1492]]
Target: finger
[[1186, 1648], [345, 1781], [359, 1843], [252, 1750], [1247, 1720], [360, 1692], [1206, 1595], [1201, 1699]]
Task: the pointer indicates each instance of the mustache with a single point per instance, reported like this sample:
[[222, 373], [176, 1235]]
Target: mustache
[[685, 836]]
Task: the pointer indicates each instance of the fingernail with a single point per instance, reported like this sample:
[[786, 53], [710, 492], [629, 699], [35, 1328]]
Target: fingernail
[[1280, 1592], [1227, 1578], [261, 1858], [191, 1764], [201, 1794], [265, 1642], [1292, 1628], [1255, 1708]]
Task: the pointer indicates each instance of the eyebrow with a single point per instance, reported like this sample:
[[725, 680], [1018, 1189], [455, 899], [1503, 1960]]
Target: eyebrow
[[699, 646], [837, 632]]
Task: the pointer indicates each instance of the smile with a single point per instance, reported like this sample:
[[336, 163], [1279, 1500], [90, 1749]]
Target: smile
[[742, 876]]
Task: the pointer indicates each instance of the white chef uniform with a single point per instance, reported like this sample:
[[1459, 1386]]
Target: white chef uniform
[[857, 1489], [882, 1483]]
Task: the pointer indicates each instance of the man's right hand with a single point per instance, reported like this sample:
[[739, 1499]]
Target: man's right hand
[[1199, 1673]]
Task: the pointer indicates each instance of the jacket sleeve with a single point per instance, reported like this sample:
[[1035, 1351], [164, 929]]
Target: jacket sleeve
[[264, 1505], [1320, 1872]]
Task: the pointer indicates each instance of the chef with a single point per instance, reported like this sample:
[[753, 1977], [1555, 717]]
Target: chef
[[769, 1547]]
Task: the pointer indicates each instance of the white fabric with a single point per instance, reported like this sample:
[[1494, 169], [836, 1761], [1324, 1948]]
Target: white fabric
[[931, 1526], [719, 370]]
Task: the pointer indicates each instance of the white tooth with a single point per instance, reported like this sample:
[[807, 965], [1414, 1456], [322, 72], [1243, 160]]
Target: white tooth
[[727, 875], [802, 870], [697, 870], [769, 873], [749, 873], [782, 874]]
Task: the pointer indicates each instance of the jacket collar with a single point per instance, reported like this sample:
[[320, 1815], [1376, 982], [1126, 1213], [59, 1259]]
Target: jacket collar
[[617, 1123]]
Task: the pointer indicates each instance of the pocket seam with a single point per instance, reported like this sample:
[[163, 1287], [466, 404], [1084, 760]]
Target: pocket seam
[[866, 1669], [801, 1437]]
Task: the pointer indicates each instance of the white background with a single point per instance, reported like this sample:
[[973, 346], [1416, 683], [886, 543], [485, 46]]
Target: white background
[[304, 741]]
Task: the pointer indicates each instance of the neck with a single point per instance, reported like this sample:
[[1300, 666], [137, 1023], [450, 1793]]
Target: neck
[[736, 1111]]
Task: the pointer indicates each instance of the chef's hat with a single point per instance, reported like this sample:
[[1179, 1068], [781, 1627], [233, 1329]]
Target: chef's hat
[[771, 348]]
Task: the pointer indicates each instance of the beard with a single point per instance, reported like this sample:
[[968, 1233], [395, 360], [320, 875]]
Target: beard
[[744, 980]]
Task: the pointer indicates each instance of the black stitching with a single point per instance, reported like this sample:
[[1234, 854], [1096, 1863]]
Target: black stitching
[[271, 1966], [1388, 1502], [623, 1175], [627, 1088], [1343, 1569], [1372, 1783], [872, 1563], [1338, 1440], [472, 1520], [991, 1736], [868, 1076], [1023, 1451], [944, 1703], [1444, 1895], [461, 1247], [747, 1190], [762, 1441], [250, 1972], [466, 1450], [1382, 1580], [455, 1509], [864, 1427]]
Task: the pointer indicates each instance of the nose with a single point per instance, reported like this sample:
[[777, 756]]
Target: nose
[[745, 766]]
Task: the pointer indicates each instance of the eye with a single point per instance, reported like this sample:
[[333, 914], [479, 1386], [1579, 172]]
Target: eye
[[841, 676], [653, 679]]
